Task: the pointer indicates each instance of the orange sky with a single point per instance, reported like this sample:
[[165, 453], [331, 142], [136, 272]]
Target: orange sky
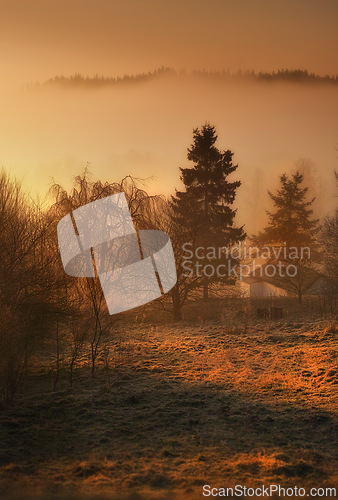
[[40, 38], [144, 130]]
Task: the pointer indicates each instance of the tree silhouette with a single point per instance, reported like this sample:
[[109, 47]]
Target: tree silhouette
[[206, 204], [88, 291], [329, 254], [29, 283], [293, 231]]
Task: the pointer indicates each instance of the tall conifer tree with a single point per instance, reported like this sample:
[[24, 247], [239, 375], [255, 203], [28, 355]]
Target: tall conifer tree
[[204, 209], [292, 229]]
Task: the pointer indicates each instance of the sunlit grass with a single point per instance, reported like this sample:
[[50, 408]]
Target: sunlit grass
[[174, 407]]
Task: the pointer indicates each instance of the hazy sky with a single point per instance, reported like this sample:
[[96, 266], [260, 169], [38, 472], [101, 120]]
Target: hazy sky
[[40, 38], [144, 130]]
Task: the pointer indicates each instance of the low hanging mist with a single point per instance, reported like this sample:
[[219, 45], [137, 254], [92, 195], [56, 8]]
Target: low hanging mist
[[143, 127]]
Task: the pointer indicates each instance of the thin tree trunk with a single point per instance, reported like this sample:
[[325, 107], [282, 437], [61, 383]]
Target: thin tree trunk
[[177, 313], [71, 367], [57, 356], [205, 290], [177, 306]]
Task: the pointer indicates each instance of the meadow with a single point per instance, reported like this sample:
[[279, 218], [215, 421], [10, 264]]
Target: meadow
[[219, 399]]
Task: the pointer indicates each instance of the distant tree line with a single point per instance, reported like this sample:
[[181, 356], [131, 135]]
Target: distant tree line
[[284, 75]]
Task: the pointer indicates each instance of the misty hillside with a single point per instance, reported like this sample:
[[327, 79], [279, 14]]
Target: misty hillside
[[285, 75]]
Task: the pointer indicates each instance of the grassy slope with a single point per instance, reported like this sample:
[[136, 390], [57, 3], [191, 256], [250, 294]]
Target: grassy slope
[[181, 406]]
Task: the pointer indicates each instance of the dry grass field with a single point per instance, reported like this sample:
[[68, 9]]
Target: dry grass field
[[173, 407]]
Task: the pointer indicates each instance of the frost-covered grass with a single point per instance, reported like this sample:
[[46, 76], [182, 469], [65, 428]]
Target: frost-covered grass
[[174, 407]]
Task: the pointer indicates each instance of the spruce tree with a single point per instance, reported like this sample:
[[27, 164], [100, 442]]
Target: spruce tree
[[204, 210], [292, 230]]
